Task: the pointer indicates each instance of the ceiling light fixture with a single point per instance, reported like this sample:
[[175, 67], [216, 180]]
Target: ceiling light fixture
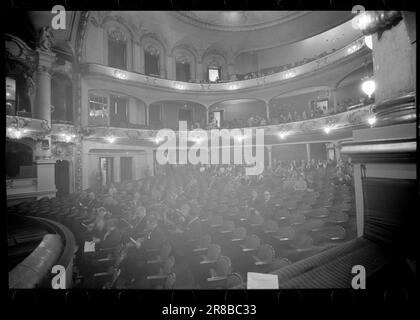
[[369, 86]]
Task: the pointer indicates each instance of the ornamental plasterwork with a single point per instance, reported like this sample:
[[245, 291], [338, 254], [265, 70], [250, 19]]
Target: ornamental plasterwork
[[152, 50], [117, 34], [62, 150], [245, 20], [45, 39], [65, 68], [182, 58], [34, 126], [18, 50]]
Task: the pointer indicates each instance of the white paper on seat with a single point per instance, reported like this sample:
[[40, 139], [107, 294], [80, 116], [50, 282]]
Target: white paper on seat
[[262, 281], [89, 246]]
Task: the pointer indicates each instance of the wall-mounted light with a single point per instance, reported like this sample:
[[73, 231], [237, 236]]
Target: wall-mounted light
[[369, 86], [179, 86], [369, 41], [239, 138], [283, 135], [289, 75], [327, 129], [110, 139], [371, 120], [67, 137], [15, 133], [120, 74], [157, 140], [352, 49]]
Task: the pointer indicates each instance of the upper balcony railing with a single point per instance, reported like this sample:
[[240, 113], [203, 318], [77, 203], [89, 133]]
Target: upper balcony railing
[[68, 133], [352, 48]]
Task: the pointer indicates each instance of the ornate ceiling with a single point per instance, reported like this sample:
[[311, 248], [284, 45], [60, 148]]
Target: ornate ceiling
[[237, 20]]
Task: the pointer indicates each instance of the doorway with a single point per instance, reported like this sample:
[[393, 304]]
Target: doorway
[[185, 114], [218, 118], [106, 168], [126, 168], [119, 113], [62, 177]]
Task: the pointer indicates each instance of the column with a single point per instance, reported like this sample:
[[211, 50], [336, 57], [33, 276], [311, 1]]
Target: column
[[231, 70], [267, 110], [141, 60], [44, 164], [337, 151], [358, 189], [42, 108], [117, 169], [269, 149], [170, 67], [333, 98], [137, 62], [147, 114], [308, 152], [200, 74]]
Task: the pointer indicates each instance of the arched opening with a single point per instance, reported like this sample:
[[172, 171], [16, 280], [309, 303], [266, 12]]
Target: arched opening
[[117, 49], [61, 99], [238, 113], [62, 177], [151, 61], [19, 161], [182, 68]]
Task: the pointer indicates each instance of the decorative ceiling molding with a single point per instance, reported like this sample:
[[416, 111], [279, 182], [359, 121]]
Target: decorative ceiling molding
[[195, 18]]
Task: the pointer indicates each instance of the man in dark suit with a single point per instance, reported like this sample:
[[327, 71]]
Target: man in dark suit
[[134, 265], [138, 223], [267, 207], [112, 236]]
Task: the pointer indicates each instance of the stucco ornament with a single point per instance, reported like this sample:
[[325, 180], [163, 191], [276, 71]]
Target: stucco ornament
[[45, 39]]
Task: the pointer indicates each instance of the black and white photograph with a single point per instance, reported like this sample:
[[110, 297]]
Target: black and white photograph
[[193, 149]]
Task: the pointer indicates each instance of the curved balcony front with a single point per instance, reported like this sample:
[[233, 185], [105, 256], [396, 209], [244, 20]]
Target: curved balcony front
[[304, 69]]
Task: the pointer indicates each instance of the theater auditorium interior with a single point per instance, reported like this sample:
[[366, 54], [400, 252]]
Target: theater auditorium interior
[[91, 204]]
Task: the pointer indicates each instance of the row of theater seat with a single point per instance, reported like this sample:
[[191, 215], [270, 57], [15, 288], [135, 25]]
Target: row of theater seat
[[236, 239]]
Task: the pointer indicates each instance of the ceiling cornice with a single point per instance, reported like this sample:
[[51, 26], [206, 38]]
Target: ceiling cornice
[[187, 17]]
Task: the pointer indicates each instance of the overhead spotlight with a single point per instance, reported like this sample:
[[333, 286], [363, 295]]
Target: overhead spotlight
[[110, 139], [369, 41], [369, 86], [327, 129], [371, 120]]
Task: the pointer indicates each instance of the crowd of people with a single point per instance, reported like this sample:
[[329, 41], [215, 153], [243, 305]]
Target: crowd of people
[[162, 209], [268, 71]]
